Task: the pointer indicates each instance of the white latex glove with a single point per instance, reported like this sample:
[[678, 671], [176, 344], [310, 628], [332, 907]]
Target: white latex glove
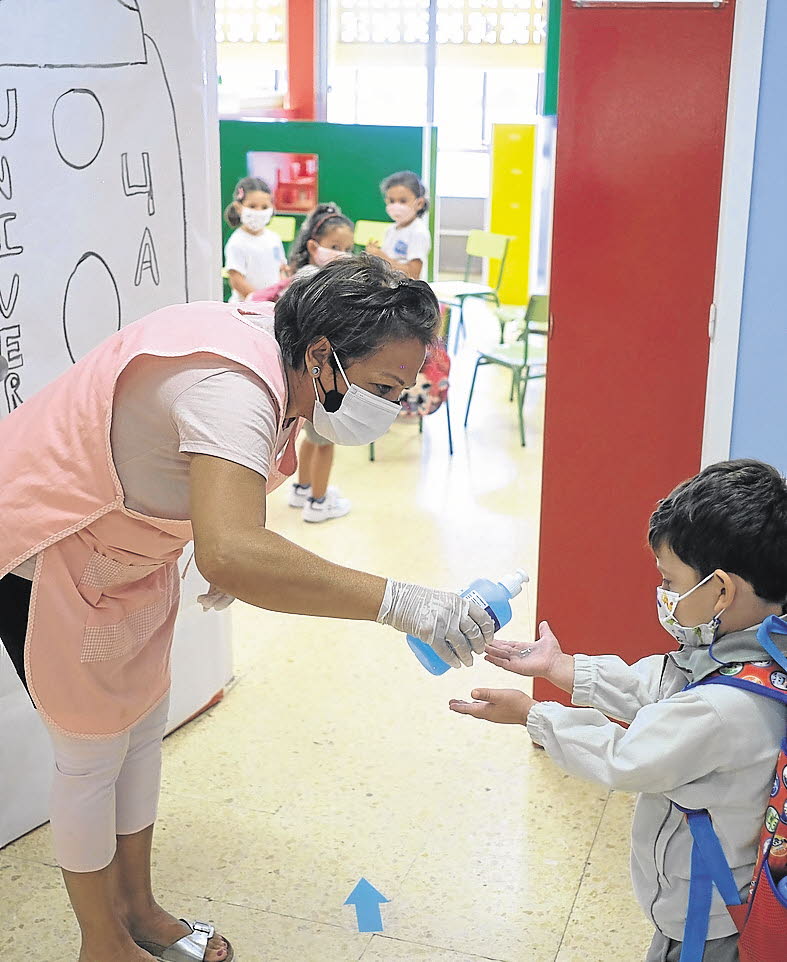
[[215, 599], [451, 625]]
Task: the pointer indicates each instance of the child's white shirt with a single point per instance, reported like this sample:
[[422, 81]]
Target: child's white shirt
[[409, 243], [712, 747], [258, 257]]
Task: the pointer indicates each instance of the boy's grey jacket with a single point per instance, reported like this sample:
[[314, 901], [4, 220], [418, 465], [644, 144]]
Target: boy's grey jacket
[[712, 747]]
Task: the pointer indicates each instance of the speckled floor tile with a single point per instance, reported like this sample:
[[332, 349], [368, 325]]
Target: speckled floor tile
[[606, 923], [502, 866], [37, 922], [304, 867], [384, 949]]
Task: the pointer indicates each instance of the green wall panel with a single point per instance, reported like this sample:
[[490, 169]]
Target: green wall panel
[[353, 159], [552, 58]]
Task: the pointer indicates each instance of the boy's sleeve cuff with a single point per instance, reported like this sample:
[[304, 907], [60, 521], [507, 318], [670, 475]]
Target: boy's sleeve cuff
[[584, 681], [538, 721]]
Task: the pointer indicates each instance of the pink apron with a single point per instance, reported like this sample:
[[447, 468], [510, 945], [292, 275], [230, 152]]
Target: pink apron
[[106, 587]]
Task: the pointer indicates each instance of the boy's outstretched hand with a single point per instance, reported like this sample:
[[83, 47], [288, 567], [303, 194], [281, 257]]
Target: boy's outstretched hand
[[506, 706], [543, 658]]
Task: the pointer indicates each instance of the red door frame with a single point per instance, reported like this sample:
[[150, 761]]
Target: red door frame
[[640, 136]]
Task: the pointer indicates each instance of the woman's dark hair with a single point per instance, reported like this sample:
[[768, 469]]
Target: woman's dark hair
[[733, 516], [244, 186], [410, 180], [323, 218], [359, 304]]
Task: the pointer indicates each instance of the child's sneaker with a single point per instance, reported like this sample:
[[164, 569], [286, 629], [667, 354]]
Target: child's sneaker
[[331, 506], [299, 495]]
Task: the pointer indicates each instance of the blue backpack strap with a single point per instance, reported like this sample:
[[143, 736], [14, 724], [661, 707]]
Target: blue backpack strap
[[709, 867], [773, 624]]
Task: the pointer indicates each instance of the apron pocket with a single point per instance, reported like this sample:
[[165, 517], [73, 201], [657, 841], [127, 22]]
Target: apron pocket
[[102, 572], [124, 637]]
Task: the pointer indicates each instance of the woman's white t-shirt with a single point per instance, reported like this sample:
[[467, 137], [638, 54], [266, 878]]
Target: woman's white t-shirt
[[409, 243], [258, 257]]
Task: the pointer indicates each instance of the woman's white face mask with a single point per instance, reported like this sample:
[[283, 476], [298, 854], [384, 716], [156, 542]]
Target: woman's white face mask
[[356, 417]]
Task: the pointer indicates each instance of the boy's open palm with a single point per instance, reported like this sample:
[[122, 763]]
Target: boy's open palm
[[506, 706], [537, 660]]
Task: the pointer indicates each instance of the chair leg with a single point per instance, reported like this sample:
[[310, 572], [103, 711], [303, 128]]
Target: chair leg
[[448, 422], [472, 388], [520, 412], [420, 424], [371, 451], [514, 375], [502, 330], [460, 325]]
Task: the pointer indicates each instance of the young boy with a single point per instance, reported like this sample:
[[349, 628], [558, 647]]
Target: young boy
[[720, 544]]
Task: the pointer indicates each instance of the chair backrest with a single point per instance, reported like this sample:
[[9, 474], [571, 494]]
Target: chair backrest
[[536, 321], [483, 243], [367, 231], [284, 227], [537, 313]]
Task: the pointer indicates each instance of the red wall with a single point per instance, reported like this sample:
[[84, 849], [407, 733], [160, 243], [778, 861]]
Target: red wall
[[301, 59], [641, 119]]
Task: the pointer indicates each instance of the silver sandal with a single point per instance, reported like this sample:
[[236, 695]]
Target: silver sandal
[[191, 948]]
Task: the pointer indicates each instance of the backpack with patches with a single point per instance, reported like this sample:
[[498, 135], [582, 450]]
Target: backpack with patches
[[431, 387], [762, 918]]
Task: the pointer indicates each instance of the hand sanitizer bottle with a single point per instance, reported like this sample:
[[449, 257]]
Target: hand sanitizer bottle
[[490, 595]]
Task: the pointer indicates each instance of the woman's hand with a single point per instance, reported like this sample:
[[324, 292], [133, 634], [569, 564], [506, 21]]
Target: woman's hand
[[505, 706], [441, 619], [542, 659]]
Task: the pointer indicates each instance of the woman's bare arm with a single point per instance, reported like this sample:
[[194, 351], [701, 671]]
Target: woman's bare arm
[[238, 554]]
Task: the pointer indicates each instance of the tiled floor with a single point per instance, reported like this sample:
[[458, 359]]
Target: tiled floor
[[334, 756]]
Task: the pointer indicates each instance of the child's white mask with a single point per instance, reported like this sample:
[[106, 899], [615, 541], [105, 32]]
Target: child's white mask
[[697, 637], [399, 212], [254, 219], [324, 255]]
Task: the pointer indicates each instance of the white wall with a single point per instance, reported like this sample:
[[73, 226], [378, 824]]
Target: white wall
[[109, 209]]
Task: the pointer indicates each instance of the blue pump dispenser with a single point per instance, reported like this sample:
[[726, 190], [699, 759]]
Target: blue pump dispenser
[[494, 596]]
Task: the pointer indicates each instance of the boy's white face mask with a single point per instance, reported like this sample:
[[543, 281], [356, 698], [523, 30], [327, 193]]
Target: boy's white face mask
[[697, 637], [356, 417]]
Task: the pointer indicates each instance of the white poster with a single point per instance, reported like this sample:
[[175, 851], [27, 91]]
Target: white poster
[[109, 209], [109, 197]]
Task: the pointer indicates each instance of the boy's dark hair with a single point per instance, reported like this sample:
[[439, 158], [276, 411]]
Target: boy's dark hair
[[244, 186], [733, 516], [410, 180], [359, 303], [323, 218]]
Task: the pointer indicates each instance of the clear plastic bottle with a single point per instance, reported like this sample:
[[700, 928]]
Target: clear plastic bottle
[[494, 596]]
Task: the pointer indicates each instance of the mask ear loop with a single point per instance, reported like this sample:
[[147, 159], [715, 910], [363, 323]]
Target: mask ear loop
[[333, 398]]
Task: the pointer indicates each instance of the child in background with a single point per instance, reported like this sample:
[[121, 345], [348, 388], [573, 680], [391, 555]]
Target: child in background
[[253, 256], [720, 545], [407, 241], [325, 235]]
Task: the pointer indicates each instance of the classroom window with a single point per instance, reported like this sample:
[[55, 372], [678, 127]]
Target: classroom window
[[458, 21]]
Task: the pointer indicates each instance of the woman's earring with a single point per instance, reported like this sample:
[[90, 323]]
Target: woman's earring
[[315, 372]]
